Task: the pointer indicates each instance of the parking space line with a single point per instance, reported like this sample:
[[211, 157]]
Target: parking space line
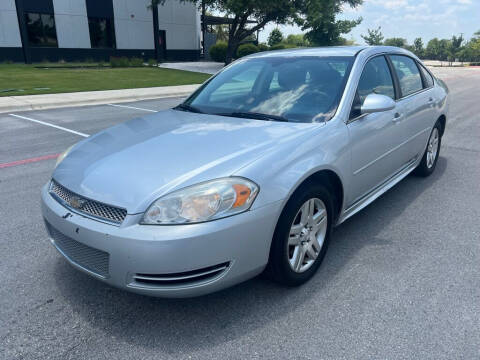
[[27, 161], [51, 125], [132, 107]]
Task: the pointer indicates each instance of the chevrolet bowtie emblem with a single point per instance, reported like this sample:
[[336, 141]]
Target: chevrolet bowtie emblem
[[77, 202]]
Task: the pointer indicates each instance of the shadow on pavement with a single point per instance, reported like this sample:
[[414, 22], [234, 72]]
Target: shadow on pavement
[[175, 326]]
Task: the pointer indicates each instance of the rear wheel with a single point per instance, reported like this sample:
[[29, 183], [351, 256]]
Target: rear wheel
[[430, 157], [301, 237]]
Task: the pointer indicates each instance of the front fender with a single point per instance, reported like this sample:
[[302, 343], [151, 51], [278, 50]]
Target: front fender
[[283, 169]]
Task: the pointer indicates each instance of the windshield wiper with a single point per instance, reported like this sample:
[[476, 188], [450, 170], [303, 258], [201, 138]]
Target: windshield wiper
[[255, 115], [189, 108]]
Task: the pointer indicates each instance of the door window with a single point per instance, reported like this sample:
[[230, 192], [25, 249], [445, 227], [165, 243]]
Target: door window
[[376, 79], [427, 76], [408, 74]]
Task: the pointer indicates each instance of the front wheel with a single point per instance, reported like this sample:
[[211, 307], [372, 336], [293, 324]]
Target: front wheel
[[432, 152], [301, 237]]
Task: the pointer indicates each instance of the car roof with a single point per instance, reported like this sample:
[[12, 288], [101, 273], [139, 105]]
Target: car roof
[[330, 51]]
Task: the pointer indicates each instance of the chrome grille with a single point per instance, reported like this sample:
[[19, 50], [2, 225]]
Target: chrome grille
[[87, 206], [92, 259]]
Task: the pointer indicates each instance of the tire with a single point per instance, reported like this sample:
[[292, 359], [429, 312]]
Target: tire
[[427, 165], [282, 258]]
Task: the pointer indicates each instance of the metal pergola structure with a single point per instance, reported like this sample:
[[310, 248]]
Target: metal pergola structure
[[211, 20]]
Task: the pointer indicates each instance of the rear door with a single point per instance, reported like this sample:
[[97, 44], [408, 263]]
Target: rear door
[[416, 103], [375, 138]]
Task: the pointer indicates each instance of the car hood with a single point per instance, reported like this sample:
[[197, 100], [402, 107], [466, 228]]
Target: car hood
[[134, 163]]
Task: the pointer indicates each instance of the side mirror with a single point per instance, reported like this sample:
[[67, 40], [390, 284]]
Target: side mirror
[[377, 103]]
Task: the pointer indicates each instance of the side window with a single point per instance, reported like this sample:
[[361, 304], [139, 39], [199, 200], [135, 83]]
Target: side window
[[408, 74], [427, 76], [376, 79]]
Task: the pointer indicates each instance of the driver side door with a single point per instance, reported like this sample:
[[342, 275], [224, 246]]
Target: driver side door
[[375, 138]]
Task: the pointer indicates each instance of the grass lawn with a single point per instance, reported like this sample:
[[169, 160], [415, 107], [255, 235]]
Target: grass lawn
[[33, 80]]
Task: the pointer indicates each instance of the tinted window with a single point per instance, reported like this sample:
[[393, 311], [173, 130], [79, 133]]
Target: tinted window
[[102, 32], [300, 89], [408, 74], [41, 30], [427, 76], [376, 79], [239, 85]]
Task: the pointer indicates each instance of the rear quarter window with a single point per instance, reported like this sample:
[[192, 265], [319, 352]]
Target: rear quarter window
[[427, 76]]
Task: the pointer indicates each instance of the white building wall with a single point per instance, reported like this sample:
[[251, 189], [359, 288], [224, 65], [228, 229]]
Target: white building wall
[[133, 24], [9, 30], [71, 22], [181, 21]]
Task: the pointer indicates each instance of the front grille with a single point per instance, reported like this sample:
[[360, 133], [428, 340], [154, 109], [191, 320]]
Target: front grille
[[92, 259], [184, 278], [87, 206]]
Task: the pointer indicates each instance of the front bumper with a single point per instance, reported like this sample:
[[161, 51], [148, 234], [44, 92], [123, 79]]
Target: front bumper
[[132, 251]]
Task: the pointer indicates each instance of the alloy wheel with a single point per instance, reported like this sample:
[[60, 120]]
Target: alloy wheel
[[307, 235], [432, 148]]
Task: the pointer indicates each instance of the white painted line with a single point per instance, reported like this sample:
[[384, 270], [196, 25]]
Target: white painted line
[[51, 125], [132, 107]]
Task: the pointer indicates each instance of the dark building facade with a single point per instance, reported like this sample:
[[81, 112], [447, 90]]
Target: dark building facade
[[38, 30]]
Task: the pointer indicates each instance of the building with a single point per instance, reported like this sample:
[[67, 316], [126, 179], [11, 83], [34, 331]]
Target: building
[[38, 30]]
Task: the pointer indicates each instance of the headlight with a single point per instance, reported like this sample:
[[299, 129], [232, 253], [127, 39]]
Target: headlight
[[203, 202], [62, 156]]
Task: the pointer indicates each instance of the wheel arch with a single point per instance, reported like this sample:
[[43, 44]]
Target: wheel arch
[[330, 179]]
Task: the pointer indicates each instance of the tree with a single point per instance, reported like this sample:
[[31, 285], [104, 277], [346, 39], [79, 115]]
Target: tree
[[399, 42], [320, 18], [263, 12], [275, 37], [437, 49], [418, 48], [455, 46], [260, 11], [374, 37], [297, 40], [432, 51]]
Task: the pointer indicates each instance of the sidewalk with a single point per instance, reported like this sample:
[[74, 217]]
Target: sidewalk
[[37, 102], [207, 67]]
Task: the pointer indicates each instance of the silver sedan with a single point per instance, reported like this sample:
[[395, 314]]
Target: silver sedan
[[249, 174]]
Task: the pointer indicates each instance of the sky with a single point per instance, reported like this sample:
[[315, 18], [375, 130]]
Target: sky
[[407, 19]]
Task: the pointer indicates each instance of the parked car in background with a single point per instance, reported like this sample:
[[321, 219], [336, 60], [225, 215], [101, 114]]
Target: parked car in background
[[249, 174]]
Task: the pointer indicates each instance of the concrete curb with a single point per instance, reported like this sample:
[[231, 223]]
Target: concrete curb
[[49, 101]]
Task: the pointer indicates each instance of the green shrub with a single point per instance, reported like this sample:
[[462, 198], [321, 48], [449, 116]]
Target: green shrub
[[152, 62], [116, 61], [246, 49], [136, 62], [282, 46], [218, 52], [263, 47], [277, 47]]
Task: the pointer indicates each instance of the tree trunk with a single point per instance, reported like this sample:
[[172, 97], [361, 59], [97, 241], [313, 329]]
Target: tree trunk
[[230, 52], [231, 49]]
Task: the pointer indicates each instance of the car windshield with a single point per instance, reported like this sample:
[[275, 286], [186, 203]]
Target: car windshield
[[281, 88]]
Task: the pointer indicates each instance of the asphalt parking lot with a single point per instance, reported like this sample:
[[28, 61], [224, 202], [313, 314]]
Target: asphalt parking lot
[[401, 279]]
